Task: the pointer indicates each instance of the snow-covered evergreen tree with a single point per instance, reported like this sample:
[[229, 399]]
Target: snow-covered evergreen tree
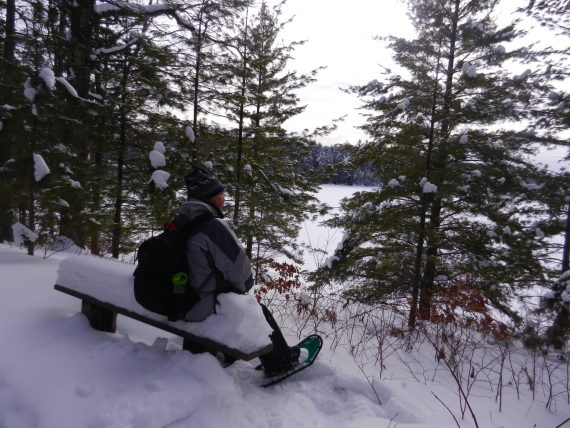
[[457, 203], [270, 195], [208, 42], [27, 121], [552, 120], [92, 87]]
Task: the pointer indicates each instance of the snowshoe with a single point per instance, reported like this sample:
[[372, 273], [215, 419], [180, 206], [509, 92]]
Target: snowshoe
[[309, 348]]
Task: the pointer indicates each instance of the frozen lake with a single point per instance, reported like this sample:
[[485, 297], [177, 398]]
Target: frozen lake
[[321, 240]]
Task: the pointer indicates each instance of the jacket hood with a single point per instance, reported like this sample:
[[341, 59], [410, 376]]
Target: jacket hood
[[195, 207]]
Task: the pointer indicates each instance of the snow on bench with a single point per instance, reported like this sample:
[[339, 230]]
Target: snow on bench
[[238, 328]]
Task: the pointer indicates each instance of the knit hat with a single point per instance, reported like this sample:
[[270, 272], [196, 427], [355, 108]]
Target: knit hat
[[202, 184]]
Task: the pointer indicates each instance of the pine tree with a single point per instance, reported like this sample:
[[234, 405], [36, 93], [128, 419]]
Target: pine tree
[[141, 73], [457, 192], [26, 120], [8, 70], [115, 81], [270, 194], [552, 120], [207, 43], [552, 117], [133, 82]]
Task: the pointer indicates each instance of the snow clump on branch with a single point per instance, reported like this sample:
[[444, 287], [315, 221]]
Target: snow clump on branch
[[500, 49], [22, 234], [404, 104], [67, 86], [469, 69], [157, 159], [190, 134], [160, 179], [426, 186], [429, 187], [40, 167], [159, 147], [46, 74], [523, 76], [530, 185], [29, 91]]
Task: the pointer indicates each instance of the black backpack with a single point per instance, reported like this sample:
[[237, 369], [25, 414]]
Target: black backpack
[[161, 276]]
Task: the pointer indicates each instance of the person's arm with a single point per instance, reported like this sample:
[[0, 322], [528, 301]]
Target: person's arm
[[228, 255]]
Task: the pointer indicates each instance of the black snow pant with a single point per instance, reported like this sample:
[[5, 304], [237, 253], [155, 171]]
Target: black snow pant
[[281, 356]]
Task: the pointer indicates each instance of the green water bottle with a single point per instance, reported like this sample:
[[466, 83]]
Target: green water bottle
[[179, 281]]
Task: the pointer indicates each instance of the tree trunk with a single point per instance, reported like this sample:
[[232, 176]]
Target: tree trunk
[[99, 169], [95, 247], [82, 23], [59, 29], [27, 211], [31, 217], [6, 201], [237, 196], [566, 249], [424, 204], [118, 206], [197, 70], [254, 152], [428, 280], [561, 325], [9, 39], [117, 231], [417, 267], [118, 209], [249, 240]]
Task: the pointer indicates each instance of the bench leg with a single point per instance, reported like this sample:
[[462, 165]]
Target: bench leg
[[99, 318]]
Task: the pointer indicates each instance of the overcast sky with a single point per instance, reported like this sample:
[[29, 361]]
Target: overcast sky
[[340, 34]]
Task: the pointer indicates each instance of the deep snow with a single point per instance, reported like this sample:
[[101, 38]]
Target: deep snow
[[57, 372]]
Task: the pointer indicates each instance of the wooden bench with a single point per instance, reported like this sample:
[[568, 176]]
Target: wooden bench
[[105, 290]]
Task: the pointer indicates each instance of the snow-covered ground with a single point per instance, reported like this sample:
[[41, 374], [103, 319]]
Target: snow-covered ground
[[57, 372]]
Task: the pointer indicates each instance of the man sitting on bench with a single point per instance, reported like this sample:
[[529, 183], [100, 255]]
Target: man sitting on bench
[[219, 264]]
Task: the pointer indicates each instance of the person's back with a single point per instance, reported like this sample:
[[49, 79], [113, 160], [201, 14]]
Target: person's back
[[219, 264]]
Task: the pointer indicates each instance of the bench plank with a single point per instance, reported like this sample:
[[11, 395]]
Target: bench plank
[[102, 316]]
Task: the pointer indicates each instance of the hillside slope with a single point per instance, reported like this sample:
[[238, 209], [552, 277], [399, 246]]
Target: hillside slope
[[57, 372]]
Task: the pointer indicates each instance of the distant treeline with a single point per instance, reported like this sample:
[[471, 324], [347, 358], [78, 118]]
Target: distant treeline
[[334, 165]]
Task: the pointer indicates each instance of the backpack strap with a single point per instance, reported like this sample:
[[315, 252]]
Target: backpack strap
[[183, 225]]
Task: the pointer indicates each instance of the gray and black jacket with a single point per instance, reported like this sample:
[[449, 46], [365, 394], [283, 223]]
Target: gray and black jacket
[[217, 261]]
